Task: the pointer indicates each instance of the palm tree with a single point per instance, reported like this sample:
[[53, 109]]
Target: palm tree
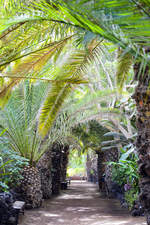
[[19, 119], [126, 24], [122, 22], [103, 106], [21, 137], [92, 136]]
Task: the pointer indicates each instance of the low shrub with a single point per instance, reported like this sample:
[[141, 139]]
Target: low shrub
[[10, 169]]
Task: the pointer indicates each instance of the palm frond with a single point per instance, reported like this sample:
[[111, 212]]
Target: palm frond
[[73, 70], [6, 90], [52, 105], [35, 60], [124, 23], [28, 67], [125, 61], [18, 118]]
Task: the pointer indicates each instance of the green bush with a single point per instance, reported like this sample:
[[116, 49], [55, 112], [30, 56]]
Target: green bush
[[10, 169], [126, 172], [130, 197], [3, 187]]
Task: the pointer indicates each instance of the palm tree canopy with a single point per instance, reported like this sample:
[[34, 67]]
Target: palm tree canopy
[[32, 37]]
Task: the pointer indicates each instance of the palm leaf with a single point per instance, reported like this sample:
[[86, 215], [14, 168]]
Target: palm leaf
[[52, 105], [6, 90], [28, 67], [34, 61], [125, 62], [73, 70], [18, 118]]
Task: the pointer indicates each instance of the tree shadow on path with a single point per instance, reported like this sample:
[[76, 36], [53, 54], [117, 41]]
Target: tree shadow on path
[[81, 204]]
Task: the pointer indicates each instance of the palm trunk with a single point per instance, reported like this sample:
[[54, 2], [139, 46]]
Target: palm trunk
[[91, 167], [142, 98], [101, 170], [64, 162], [88, 167], [106, 182], [110, 156], [56, 167], [45, 166], [31, 187]]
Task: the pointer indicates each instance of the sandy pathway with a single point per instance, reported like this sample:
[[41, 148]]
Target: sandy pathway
[[80, 205]]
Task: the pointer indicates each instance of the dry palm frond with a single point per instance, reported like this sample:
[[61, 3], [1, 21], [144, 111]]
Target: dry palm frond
[[10, 29], [35, 61]]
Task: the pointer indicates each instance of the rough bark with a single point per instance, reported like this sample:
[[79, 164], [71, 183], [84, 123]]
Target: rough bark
[[101, 170], [88, 167], [105, 171], [44, 166], [142, 99], [31, 187], [64, 162], [91, 168], [56, 167], [110, 156]]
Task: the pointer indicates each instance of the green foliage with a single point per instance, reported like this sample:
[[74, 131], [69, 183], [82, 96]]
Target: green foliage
[[76, 159], [104, 18], [126, 169], [33, 51], [69, 76], [91, 135], [125, 62], [77, 163], [76, 171], [131, 196], [125, 172], [3, 187], [11, 167], [116, 138], [18, 118], [3, 173]]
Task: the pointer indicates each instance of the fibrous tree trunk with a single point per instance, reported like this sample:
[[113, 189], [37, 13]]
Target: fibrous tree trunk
[[64, 162], [101, 170], [110, 156], [56, 167], [91, 168], [105, 171], [88, 167], [31, 187], [44, 166], [142, 98], [94, 168]]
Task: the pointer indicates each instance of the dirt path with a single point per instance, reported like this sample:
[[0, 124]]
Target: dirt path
[[80, 205]]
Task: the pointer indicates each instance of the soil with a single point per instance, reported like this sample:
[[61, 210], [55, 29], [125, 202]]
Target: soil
[[81, 204]]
